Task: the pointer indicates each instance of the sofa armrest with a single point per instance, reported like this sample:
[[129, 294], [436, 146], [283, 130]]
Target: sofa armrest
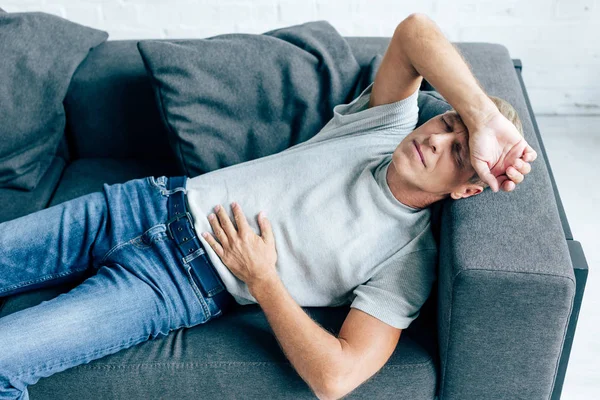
[[505, 292]]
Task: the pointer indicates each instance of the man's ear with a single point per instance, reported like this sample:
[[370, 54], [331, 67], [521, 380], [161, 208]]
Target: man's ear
[[466, 191]]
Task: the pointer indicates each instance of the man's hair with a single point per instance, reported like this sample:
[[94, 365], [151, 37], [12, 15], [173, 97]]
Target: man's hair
[[510, 113]]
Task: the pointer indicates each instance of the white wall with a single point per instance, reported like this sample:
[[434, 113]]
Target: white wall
[[557, 40]]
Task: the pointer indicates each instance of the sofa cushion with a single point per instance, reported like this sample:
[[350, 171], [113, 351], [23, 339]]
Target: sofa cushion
[[236, 97], [40, 53], [89, 174], [17, 203]]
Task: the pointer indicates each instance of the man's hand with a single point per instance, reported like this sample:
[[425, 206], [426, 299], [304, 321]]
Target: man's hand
[[499, 154], [249, 257]]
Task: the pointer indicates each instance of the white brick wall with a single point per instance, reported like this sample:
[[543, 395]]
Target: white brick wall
[[557, 40]]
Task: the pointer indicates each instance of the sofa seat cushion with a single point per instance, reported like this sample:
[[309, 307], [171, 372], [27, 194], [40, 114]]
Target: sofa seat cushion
[[206, 360], [17, 203], [87, 175]]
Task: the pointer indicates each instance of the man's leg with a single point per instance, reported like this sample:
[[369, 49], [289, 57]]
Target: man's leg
[[110, 311], [143, 286], [50, 245]]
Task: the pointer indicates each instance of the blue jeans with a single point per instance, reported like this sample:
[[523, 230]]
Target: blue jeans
[[141, 287]]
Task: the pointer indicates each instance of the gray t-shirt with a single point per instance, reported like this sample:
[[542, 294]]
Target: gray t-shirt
[[340, 234]]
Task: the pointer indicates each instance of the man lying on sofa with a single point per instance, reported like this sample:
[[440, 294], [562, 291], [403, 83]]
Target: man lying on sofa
[[349, 223]]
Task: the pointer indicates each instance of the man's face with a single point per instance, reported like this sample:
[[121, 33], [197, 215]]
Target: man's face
[[445, 165]]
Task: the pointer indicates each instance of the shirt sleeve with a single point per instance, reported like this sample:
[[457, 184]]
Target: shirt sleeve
[[398, 290], [400, 117]]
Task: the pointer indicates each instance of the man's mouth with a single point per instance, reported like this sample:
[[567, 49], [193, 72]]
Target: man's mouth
[[419, 151]]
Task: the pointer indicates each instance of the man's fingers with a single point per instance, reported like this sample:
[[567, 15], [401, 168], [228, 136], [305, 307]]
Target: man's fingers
[[508, 185], [213, 244], [522, 166], [226, 223], [240, 217], [266, 231], [514, 175], [219, 232], [485, 175], [529, 154]]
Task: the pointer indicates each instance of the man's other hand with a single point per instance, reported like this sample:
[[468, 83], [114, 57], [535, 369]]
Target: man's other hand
[[499, 154], [249, 257]]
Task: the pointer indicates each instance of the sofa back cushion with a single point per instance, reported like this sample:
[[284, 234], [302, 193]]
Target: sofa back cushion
[[237, 97], [39, 53]]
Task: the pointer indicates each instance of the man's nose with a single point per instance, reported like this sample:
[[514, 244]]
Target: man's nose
[[438, 140]]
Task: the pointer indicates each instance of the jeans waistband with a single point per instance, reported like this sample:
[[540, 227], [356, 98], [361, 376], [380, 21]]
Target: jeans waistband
[[180, 228]]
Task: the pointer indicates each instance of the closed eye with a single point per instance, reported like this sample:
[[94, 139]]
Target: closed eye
[[457, 150], [456, 147], [448, 128]]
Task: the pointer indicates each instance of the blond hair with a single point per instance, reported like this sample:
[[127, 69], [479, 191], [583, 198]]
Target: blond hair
[[510, 113]]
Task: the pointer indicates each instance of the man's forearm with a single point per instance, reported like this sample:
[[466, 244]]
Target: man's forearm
[[436, 60], [316, 355]]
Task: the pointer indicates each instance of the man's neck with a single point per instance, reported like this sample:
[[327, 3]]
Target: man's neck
[[407, 194]]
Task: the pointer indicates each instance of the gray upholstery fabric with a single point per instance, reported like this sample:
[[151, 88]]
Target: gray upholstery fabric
[[40, 53], [16, 203], [238, 97], [63, 150]]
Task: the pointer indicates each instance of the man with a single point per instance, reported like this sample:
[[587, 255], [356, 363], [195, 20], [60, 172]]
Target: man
[[348, 223]]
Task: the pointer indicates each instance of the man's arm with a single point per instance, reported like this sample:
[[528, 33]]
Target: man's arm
[[419, 49], [332, 367]]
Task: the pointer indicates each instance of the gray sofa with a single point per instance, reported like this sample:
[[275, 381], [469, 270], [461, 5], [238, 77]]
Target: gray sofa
[[498, 325]]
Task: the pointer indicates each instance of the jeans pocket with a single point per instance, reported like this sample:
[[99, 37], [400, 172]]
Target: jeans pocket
[[140, 242], [147, 239]]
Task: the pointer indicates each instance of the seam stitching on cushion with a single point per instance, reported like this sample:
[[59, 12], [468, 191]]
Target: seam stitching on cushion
[[534, 271], [224, 363]]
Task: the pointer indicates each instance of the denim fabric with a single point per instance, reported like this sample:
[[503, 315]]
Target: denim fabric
[[141, 287]]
